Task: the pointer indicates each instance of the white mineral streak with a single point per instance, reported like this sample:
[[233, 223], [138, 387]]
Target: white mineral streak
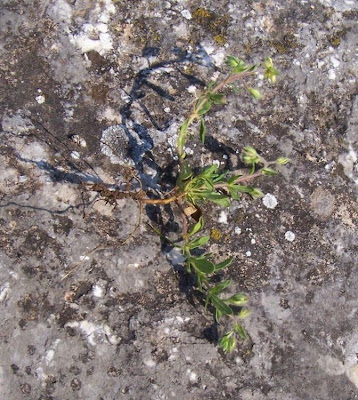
[[95, 35], [4, 291], [348, 161], [94, 332]]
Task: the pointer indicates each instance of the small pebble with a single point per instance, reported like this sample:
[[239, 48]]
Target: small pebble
[[191, 89], [223, 218], [78, 140], [22, 178], [237, 230], [290, 236], [269, 201], [75, 155], [40, 99], [186, 14]]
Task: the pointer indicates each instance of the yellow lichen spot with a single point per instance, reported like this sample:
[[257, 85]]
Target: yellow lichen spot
[[335, 41], [216, 235], [219, 39], [201, 15]]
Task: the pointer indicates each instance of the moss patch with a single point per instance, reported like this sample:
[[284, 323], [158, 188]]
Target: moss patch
[[216, 24], [285, 45]]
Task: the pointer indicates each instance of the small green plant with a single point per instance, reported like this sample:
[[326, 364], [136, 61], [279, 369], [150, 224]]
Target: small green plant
[[220, 187]]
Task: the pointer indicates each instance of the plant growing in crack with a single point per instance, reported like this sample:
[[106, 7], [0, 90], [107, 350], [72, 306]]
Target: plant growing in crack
[[193, 189]]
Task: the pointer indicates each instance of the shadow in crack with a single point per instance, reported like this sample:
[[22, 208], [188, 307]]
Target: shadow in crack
[[140, 142]]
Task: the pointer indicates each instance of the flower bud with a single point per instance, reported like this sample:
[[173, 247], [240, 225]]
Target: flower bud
[[238, 299], [244, 313]]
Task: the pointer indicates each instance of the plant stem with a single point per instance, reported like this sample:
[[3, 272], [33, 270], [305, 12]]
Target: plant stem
[[238, 180]]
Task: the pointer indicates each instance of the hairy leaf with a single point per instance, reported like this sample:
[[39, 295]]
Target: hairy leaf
[[220, 305], [198, 242], [197, 227], [202, 265], [209, 170], [205, 108], [224, 264], [182, 137], [217, 98], [228, 342], [220, 287], [185, 172]]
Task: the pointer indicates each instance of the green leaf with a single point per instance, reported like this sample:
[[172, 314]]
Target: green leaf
[[208, 185], [204, 108], [217, 198], [268, 172], [202, 265], [238, 300], [220, 177], [209, 171], [255, 93], [224, 202], [240, 331], [202, 130], [185, 172], [231, 344], [197, 227], [182, 137], [218, 315], [220, 305], [220, 287], [198, 242], [217, 98], [200, 282], [233, 179], [256, 193], [224, 264], [233, 193]]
